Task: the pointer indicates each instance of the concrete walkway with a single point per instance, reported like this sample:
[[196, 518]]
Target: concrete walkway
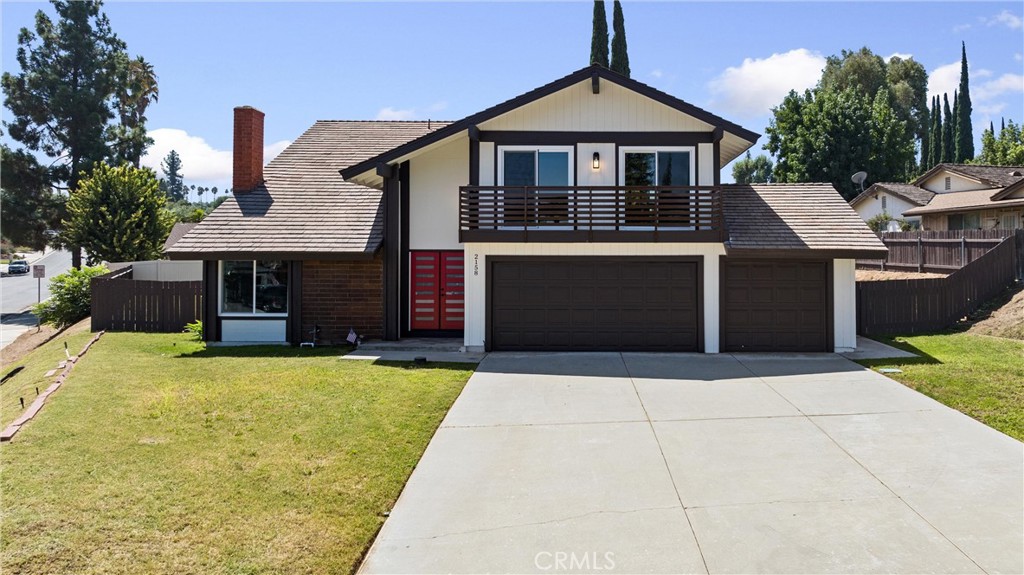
[[638, 463]]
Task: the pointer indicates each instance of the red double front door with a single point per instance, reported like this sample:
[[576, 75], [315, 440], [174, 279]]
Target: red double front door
[[438, 290]]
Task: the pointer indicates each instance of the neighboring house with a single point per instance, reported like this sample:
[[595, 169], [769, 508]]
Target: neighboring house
[[952, 197], [891, 198], [584, 215], [178, 231]]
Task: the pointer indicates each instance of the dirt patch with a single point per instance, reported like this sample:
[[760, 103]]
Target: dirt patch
[[881, 276], [1003, 318], [31, 339]]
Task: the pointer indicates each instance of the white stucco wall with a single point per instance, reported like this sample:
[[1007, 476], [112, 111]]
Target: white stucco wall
[[476, 276], [844, 279], [586, 175], [435, 178], [706, 165], [895, 206]]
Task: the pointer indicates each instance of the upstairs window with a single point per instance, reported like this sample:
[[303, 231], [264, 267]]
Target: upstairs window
[[535, 167], [254, 288], [657, 167]]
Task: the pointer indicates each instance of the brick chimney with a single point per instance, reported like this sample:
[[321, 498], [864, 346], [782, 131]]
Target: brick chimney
[[248, 166]]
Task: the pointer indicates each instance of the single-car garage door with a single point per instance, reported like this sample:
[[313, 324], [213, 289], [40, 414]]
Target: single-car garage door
[[771, 305], [593, 304]]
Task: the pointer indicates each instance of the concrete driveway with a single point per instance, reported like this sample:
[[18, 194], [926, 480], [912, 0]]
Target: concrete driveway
[[637, 463]]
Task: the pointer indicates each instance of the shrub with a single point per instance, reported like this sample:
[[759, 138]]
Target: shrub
[[196, 329], [69, 297], [880, 223]]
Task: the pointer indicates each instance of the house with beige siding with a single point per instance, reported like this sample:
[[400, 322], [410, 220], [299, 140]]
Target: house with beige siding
[[952, 197], [586, 214]]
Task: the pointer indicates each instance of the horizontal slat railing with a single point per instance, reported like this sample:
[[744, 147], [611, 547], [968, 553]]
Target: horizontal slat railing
[[489, 211]]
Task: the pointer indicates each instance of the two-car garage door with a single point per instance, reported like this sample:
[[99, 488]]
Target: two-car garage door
[[620, 304], [594, 304]]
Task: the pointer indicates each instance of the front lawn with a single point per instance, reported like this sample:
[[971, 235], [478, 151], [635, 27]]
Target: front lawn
[[160, 456], [979, 375]]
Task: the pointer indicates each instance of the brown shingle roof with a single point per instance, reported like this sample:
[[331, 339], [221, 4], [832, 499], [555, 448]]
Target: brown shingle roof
[[305, 207], [909, 192], [808, 218], [177, 232], [962, 201], [992, 176]]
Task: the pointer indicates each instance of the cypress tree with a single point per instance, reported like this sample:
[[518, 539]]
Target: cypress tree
[[620, 57], [599, 37], [925, 140], [956, 126], [936, 141], [947, 131], [964, 129]]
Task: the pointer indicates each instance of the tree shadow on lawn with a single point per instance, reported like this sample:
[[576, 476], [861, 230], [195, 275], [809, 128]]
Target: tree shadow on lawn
[[292, 352]]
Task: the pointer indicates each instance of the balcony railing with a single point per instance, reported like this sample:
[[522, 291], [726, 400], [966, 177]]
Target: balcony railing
[[590, 214]]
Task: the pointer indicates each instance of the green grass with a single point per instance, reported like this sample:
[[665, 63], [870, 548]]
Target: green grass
[[159, 455], [979, 375], [46, 357]]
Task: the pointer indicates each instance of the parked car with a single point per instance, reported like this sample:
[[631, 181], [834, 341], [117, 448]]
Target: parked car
[[17, 267]]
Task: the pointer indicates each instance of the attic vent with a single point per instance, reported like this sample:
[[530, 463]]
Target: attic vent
[[948, 183]]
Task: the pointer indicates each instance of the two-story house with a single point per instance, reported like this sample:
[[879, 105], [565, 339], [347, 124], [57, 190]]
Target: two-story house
[[587, 214], [952, 197]]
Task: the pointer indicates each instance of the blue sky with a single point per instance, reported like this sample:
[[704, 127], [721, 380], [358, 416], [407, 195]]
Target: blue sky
[[300, 62]]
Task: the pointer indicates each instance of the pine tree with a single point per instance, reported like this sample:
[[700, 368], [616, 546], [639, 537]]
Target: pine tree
[[171, 167], [599, 37], [956, 125], [964, 129], [947, 131], [620, 56]]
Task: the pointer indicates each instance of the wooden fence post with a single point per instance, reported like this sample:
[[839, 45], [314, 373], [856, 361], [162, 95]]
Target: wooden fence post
[[920, 253]]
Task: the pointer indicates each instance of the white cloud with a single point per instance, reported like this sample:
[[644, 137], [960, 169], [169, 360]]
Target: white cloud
[[1018, 56], [989, 109], [201, 163], [899, 55], [657, 73], [1007, 83], [390, 113], [1006, 18], [944, 80], [755, 86]]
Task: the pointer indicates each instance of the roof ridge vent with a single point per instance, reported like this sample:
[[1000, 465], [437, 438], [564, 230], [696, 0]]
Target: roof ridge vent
[[1015, 173]]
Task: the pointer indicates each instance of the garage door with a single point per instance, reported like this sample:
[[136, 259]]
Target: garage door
[[776, 306], [594, 304]]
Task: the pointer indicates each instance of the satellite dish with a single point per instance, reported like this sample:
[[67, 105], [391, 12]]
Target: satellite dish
[[859, 178]]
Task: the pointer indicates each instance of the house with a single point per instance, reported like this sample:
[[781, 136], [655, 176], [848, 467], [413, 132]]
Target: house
[[952, 197], [586, 214]]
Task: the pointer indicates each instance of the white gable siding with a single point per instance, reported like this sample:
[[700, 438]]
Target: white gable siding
[[578, 109], [895, 206], [435, 178], [937, 183]]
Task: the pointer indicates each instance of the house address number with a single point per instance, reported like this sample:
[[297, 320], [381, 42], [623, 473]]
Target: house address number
[[476, 264]]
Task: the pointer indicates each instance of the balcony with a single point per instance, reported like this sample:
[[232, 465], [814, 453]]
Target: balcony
[[590, 214]]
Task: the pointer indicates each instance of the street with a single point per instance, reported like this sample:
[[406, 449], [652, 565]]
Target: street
[[17, 293]]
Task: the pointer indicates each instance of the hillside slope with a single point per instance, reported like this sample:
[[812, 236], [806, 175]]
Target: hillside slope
[[1006, 320]]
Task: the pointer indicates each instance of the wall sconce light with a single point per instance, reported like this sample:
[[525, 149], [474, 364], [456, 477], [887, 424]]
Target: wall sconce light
[[597, 161]]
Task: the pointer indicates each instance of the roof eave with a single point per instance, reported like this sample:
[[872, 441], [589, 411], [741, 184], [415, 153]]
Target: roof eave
[[581, 75], [808, 253]]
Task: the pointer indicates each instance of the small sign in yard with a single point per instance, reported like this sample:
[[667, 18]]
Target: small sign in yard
[[39, 271], [890, 370]]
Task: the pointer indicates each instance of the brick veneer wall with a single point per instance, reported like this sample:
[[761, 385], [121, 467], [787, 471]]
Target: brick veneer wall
[[338, 295]]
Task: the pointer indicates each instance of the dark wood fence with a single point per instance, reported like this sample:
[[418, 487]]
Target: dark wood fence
[[923, 305], [120, 303], [938, 251]]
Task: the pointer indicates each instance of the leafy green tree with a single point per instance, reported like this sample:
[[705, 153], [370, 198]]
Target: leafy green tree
[[31, 208], [947, 131], [70, 300], [823, 136], [620, 56], [862, 70], [908, 89], [118, 215], [1006, 149], [891, 151], [964, 146], [749, 170], [173, 179], [599, 36]]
